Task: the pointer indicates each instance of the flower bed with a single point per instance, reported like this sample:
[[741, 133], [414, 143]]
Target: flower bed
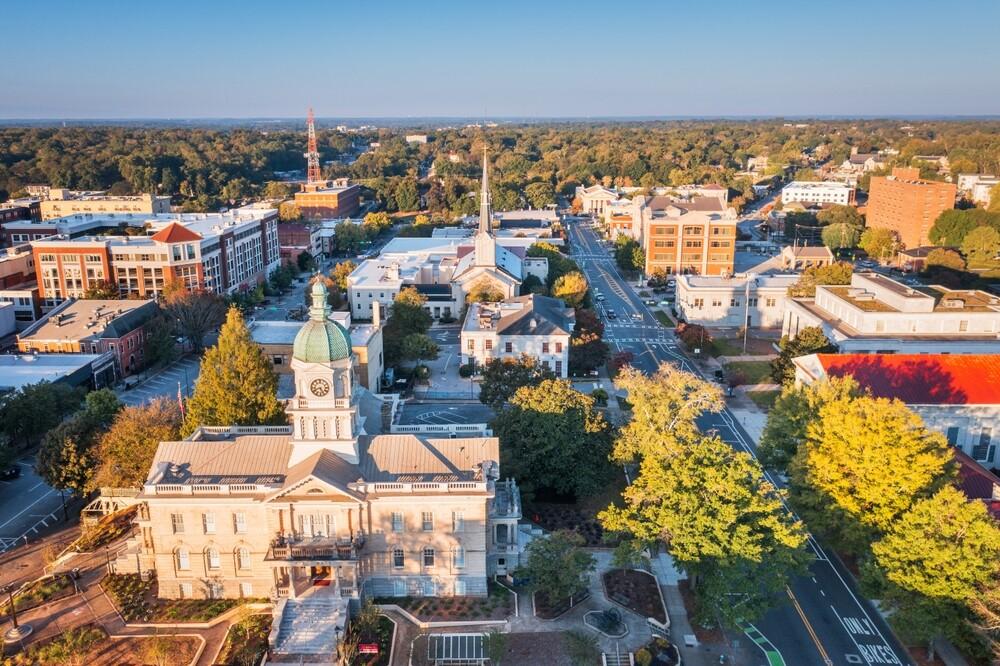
[[497, 605], [384, 637], [136, 600], [549, 609], [636, 590], [108, 529], [71, 646], [246, 641], [40, 592]]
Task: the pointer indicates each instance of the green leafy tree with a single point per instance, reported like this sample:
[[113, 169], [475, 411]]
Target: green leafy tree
[[841, 236], [952, 226], [125, 452], [277, 190], [981, 244], [349, 237], [994, 205], [837, 273], [406, 195], [104, 290], [549, 428], [863, 463], [418, 347], [101, 407], [195, 313], [848, 215], [626, 251], [558, 566], [559, 264], [407, 317], [237, 384], [809, 340], [739, 542], [27, 414], [587, 349], [571, 288], [793, 411], [664, 408], [540, 194], [934, 563], [532, 285], [65, 460], [160, 344], [944, 258], [305, 262], [879, 243], [502, 377]]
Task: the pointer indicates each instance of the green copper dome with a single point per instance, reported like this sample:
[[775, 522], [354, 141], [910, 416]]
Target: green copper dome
[[321, 340]]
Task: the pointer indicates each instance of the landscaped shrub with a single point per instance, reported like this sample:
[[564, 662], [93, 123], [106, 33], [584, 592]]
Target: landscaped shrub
[[466, 370]]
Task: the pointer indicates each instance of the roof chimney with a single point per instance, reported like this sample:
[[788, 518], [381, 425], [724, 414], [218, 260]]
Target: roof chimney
[[533, 323]]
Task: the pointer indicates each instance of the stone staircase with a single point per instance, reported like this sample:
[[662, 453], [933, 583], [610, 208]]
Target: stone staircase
[[617, 659], [308, 625]]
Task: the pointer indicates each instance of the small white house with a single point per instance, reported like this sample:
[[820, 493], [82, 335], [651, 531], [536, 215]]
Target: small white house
[[538, 326]]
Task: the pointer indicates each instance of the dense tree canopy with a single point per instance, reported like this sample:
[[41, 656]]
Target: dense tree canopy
[[810, 340]]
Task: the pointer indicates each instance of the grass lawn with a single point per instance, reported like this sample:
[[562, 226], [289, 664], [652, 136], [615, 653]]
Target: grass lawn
[[725, 347], [754, 372], [764, 399], [664, 318]]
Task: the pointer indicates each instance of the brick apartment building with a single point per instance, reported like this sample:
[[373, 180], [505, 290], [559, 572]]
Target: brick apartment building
[[908, 205], [328, 199], [19, 210], [219, 252], [94, 327]]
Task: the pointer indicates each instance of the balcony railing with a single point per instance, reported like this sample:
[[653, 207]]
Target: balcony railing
[[315, 548]]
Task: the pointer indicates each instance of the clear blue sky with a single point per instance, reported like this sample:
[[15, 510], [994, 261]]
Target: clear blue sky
[[221, 58]]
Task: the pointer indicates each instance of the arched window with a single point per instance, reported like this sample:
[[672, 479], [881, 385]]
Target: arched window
[[183, 559], [212, 557], [243, 558]]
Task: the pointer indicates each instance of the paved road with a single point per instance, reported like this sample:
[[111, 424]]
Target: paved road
[[164, 383], [28, 507], [826, 621]]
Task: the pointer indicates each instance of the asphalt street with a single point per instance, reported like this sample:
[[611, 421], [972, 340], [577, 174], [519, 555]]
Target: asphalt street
[[825, 620], [28, 507]]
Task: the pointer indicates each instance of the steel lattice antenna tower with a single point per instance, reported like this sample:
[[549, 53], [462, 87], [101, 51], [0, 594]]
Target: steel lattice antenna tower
[[312, 154]]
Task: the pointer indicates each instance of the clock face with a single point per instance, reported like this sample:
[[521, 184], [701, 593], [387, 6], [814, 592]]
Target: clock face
[[319, 387]]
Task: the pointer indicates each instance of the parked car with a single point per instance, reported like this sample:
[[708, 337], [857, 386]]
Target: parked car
[[10, 473], [664, 303], [651, 301], [637, 316], [599, 297], [612, 314]]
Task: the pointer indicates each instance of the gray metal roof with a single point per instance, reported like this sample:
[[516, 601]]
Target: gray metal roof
[[408, 458], [249, 458], [551, 316]]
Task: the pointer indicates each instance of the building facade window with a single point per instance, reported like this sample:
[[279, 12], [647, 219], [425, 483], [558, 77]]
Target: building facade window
[[212, 557], [246, 590], [952, 435], [460, 588], [240, 522], [208, 522], [545, 348], [243, 558], [459, 557], [508, 347], [457, 521], [399, 588], [397, 522], [177, 523], [427, 521], [428, 557], [183, 559], [397, 558]]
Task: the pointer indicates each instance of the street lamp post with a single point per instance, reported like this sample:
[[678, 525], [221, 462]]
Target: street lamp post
[[62, 496], [18, 631]]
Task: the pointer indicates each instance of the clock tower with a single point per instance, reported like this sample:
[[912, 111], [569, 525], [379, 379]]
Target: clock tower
[[323, 412]]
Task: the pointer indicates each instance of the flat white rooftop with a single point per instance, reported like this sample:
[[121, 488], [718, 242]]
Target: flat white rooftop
[[17, 370]]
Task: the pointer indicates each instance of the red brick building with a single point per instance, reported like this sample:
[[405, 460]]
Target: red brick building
[[328, 199], [908, 205]]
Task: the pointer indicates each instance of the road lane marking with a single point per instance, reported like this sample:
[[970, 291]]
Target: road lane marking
[[809, 628], [25, 509]]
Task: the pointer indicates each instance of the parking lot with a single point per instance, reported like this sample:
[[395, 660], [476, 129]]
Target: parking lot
[[28, 506], [184, 373], [433, 413]]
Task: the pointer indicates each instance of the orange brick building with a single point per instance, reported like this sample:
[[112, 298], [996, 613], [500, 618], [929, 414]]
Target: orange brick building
[[328, 199], [908, 205]]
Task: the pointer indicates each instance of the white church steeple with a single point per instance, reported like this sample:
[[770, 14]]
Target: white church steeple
[[486, 248]]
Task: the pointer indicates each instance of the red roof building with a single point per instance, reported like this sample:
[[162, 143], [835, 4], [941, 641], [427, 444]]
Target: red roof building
[[956, 394], [978, 483]]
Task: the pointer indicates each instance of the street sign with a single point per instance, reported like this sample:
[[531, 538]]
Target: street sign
[[368, 648]]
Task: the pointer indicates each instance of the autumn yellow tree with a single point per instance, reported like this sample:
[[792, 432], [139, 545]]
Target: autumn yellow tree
[[237, 385]]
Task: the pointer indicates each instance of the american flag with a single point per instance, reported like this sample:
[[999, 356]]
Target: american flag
[[180, 398]]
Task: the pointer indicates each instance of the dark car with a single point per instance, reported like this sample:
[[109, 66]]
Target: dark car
[[10, 473]]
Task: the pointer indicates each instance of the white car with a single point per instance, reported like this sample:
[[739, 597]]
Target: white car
[[599, 297]]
